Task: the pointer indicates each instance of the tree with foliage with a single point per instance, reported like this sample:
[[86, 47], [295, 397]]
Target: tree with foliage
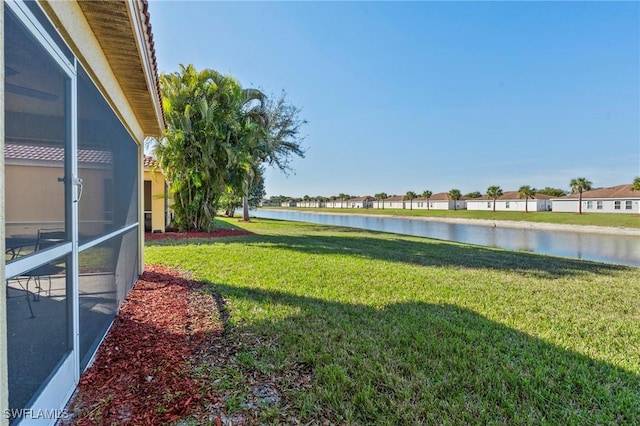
[[380, 196], [474, 194], [526, 192], [635, 186], [257, 193], [218, 135], [342, 196], [427, 194], [578, 186], [410, 195], [278, 199], [277, 142], [203, 145], [455, 195], [494, 192], [231, 200], [552, 192]]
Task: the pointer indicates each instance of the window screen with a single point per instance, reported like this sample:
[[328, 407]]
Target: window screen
[[107, 164]]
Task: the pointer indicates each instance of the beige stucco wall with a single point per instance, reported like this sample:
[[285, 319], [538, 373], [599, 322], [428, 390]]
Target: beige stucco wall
[[38, 198]]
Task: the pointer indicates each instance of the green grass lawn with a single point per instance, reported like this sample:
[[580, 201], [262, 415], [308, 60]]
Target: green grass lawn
[[405, 330], [618, 220]]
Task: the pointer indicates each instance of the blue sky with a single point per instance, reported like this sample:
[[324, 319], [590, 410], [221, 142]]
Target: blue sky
[[404, 96]]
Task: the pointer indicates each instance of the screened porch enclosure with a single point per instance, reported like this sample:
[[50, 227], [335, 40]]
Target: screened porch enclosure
[[71, 213]]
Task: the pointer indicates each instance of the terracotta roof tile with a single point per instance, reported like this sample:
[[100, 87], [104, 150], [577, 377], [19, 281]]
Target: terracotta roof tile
[[510, 195], [440, 196], [54, 153], [149, 161], [619, 191], [395, 198], [152, 52], [360, 199]]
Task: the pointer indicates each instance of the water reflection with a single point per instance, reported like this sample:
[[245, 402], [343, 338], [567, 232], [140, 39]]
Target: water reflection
[[620, 249]]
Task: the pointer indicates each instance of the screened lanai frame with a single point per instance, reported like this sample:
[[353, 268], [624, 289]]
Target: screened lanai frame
[[56, 389]]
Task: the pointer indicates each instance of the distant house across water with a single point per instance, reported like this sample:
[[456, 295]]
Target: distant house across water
[[510, 201], [614, 199]]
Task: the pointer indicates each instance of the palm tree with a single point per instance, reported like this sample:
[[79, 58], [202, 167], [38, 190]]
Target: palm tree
[[380, 196], [212, 127], [410, 195], [526, 192], [494, 192], [579, 185], [635, 186], [427, 194], [455, 195], [342, 197]]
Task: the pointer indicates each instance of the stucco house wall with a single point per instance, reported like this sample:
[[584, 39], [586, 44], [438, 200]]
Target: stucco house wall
[[441, 201], [615, 199], [156, 202], [509, 201], [359, 203], [395, 202]]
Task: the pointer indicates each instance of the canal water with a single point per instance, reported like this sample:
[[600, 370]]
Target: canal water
[[620, 249]]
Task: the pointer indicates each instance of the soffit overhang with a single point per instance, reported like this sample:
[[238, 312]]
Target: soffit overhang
[[123, 30]]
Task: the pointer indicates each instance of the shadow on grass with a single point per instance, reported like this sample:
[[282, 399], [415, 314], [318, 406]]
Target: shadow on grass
[[428, 252], [411, 363], [228, 223]]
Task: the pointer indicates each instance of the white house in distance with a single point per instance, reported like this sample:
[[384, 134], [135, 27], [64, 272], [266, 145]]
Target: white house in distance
[[360, 203], [510, 201], [311, 203], [615, 199], [393, 202], [440, 201]]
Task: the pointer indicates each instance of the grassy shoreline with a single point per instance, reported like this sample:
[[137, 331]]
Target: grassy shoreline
[[405, 330], [612, 220]]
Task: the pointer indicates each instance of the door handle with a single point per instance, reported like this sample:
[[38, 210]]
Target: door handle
[[74, 181], [78, 182]]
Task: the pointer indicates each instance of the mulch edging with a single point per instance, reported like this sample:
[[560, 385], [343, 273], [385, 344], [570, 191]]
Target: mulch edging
[[142, 370]]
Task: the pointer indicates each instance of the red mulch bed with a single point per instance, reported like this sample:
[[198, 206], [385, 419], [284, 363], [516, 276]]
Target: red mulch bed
[[153, 367], [218, 233], [142, 371]]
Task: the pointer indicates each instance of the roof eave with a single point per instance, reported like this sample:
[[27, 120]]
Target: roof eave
[[123, 31]]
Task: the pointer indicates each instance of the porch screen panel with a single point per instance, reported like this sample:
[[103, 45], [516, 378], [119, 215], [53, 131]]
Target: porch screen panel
[[36, 130], [37, 123], [100, 292], [38, 328], [107, 164]]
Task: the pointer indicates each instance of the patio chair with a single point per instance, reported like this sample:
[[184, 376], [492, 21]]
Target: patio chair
[[46, 238]]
